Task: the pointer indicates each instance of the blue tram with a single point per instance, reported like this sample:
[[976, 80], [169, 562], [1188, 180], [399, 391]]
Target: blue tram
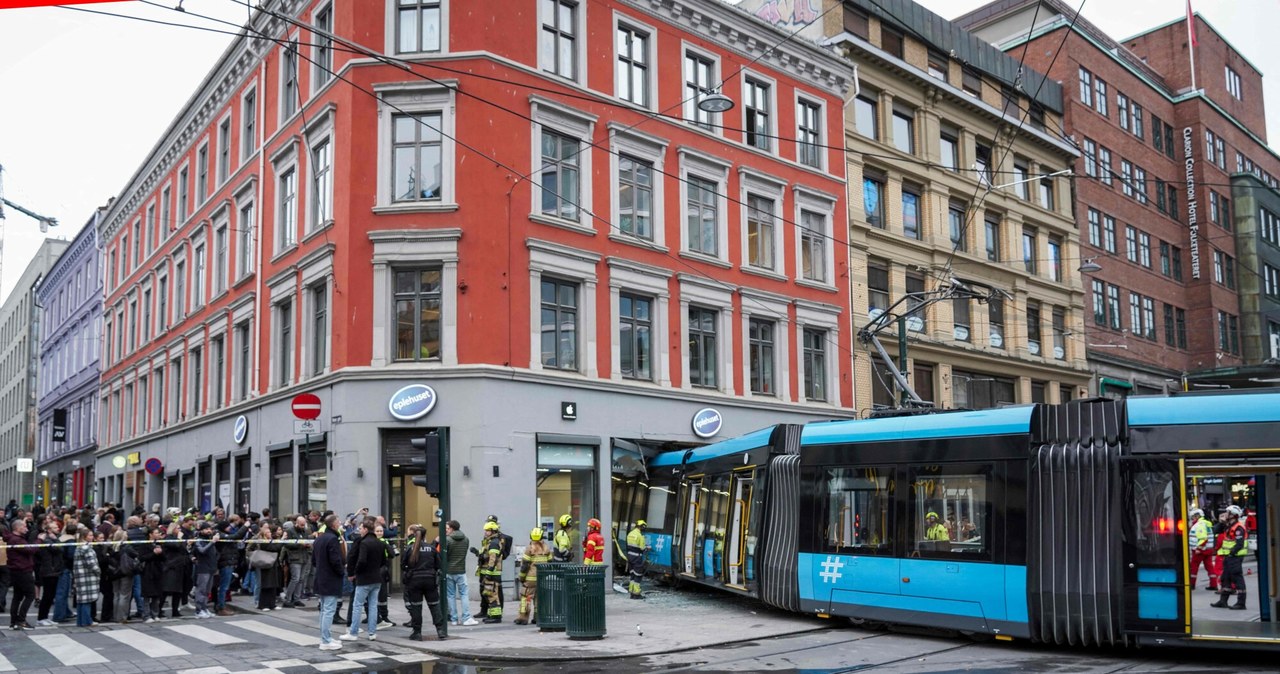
[[1055, 523]]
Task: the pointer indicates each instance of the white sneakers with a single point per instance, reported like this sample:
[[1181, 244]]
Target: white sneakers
[[150, 620], [331, 646], [203, 614], [348, 637], [373, 637], [45, 623], [470, 622]]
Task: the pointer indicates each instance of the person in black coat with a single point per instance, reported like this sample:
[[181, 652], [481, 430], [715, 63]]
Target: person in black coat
[[326, 559], [420, 568], [153, 572], [270, 579], [177, 566], [50, 562], [364, 569]]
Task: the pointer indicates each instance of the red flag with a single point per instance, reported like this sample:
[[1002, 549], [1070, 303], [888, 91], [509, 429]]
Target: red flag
[[1191, 25]]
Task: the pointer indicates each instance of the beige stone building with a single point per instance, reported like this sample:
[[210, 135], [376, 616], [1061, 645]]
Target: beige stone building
[[951, 147]]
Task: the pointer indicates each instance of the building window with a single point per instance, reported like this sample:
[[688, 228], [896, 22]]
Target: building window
[[417, 26], [1122, 107], [202, 176], [248, 124], [1029, 246], [891, 40], [1104, 166], [911, 214], [702, 216], [992, 229], [559, 175], [290, 98], [220, 260], [162, 301], [321, 184], [198, 271], [1095, 228], [1100, 96], [702, 347], [1180, 322], [635, 197], [1099, 302], [856, 22], [1113, 306], [1059, 334], [809, 134], [319, 329], [1136, 111], [813, 246], [956, 225], [1046, 193], [757, 109], [866, 115], [949, 147], [1086, 87], [815, 365], [971, 81], [224, 152], [904, 122], [1170, 337], [166, 216], [197, 381], [699, 80], [287, 209], [1140, 183], [1126, 177], [559, 47], [284, 347], [218, 364], [872, 201], [1176, 257], [1055, 258], [323, 46], [1166, 266], [982, 162], [1233, 83], [183, 195], [242, 366], [1033, 328], [559, 324], [417, 305], [760, 348], [760, 232], [1271, 281], [1144, 249], [179, 290], [877, 287], [635, 336], [244, 241], [1131, 243], [960, 318], [915, 312], [416, 172], [633, 66], [995, 313], [939, 63]]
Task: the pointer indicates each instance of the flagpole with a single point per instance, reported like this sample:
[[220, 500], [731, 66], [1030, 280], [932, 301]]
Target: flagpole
[[1191, 44]]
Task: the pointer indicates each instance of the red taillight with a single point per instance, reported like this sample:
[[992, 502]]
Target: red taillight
[[1165, 525]]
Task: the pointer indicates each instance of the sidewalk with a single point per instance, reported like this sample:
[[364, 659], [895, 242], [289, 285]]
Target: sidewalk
[[667, 621]]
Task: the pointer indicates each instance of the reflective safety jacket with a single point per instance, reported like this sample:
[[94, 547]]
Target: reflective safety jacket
[[593, 548], [1235, 543], [534, 554], [491, 557], [1201, 535], [635, 541], [563, 551], [937, 532]]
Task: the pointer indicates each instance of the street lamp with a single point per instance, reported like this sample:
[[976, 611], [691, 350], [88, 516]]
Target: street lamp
[[1088, 266], [715, 102]]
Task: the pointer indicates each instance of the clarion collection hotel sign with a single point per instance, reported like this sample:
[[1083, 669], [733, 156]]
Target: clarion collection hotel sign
[[1193, 223]]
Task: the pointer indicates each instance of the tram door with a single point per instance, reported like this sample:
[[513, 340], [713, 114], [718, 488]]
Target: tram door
[[690, 524], [1152, 545], [716, 503], [736, 542]]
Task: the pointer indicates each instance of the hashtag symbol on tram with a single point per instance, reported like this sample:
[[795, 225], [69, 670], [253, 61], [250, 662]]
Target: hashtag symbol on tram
[[831, 570]]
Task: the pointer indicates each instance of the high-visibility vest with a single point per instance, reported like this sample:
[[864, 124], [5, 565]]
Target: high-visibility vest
[[937, 532], [635, 540], [1201, 533], [1229, 547]]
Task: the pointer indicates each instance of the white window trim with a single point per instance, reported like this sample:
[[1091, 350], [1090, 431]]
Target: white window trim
[[246, 197], [319, 131], [223, 222], [623, 140], [801, 97], [717, 75], [826, 317], [550, 115], [179, 218], [195, 301], [204, 144], [257, 122], [180, 256], [705, 292], [771, 307], [416, 98], [579, 38], [217, 328], [774, 141], [218, 180], [716, 170], [285, 289], [391, 42], [414, 247], [641, 279], [285, 159], [809, 199], [651, 57], [313, 62], [293, 38], [243, 313], [751, 181], [572, 264], [316, 272]]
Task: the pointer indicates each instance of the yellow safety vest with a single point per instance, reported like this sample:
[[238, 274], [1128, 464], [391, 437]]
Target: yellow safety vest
[[1229, 548], [635, 540], [937, 532]]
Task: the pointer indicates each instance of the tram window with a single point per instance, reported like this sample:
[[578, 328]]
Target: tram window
[[950, 512], [657, 515], [1151, 491], [859, 510]]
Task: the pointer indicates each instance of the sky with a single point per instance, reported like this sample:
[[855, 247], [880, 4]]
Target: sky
[[84, 97]]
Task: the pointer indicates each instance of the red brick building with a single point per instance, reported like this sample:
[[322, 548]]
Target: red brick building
[[1154, 187], [524, 235]]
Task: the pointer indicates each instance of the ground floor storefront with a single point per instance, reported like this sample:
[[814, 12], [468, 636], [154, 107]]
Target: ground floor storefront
[[525, 447]]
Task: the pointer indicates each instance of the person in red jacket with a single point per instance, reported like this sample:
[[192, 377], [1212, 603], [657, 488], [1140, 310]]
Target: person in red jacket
[[593, 546]]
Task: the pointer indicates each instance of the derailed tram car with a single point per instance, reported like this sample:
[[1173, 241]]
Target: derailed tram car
[[1062, 524]]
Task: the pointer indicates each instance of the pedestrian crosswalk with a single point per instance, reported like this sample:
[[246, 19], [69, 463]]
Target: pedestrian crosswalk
[[234, 646]]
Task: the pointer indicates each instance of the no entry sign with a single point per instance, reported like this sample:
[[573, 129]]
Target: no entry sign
[[306, 406]]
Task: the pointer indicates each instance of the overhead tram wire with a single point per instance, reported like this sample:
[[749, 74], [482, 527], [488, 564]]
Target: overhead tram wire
[[766, 310]]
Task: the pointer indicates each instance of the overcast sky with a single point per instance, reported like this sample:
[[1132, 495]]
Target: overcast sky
[[84, 97]]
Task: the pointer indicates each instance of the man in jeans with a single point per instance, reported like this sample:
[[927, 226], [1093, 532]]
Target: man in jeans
[[326, 558], [364, 568], [456, 545], [295, 553]]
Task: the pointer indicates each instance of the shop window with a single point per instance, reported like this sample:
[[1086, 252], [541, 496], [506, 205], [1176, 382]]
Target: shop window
[[950, 512], [566, 485], [281, 483], [859, 510], [315, 480]]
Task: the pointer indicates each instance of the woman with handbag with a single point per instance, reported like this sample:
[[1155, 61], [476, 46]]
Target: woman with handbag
[[264, 555], [125, 561], [86, 577]]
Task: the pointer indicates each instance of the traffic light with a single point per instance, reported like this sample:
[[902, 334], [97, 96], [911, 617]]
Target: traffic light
[[429, 459]]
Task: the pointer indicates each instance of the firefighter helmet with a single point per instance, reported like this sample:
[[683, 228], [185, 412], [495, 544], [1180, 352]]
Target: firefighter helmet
[[566, 521], [593, 524], [536, 534], [490, 526]]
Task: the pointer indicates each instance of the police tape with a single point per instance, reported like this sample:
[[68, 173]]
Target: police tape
[[183, 542]]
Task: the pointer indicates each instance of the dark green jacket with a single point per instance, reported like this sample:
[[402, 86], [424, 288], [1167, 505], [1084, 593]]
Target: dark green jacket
[[456, 553]]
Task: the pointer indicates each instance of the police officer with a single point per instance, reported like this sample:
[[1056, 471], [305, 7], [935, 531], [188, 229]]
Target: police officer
[[563, 548], [593, 546], [635, 558], [1200, 537], [934, 530], [490, 572], [535, 553], [1235, 545], [420, 568]]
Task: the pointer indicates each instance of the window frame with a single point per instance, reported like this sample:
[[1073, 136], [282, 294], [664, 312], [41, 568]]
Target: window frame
[[708, 295], [249, 123], [690, 112], [569, 265], [645, 148], [322, 67], [822, 206], [577, 34], [647, 66], [765, 138], [289, 96], [575, 125], [826, 319], [758, 185], [810, 141], [714, 171], [416, 98], [400, 249], [393, 26]]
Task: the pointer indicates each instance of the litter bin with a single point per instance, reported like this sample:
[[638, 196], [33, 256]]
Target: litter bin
[[549, 597], [584, 601]]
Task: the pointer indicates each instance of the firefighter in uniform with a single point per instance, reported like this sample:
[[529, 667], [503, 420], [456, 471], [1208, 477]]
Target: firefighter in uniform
[[420, 568], [1235, 545], [562, 549], [490, 572], [1200, 537], [593, 547], [934, 530], [635, 558], [535, 553], [506, 552]]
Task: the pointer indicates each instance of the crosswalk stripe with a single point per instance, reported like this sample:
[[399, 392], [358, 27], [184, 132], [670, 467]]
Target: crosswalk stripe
[[205, 634], [261, 628], [205, 670], [67, 650], [281, 664], [146, 644], [412, 657], [366, 655], [336, 666], [5, 665]]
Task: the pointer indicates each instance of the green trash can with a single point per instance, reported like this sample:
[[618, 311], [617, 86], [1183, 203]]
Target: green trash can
[[584, 601], [549, 597]]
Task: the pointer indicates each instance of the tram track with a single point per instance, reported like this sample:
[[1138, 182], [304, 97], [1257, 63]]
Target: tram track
[[916, 656], [774, 654]]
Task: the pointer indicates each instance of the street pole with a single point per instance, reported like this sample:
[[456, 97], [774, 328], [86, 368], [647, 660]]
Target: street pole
[[902, 356], [443, 510]]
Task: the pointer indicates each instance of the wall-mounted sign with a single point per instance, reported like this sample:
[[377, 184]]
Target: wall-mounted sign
[[119, 461], [241, 430], [707, 422], [59, 424], [568, 410], [1193, 223], [26, 465], [412, 402], [306, 406], [154, 466], [135, 458]]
